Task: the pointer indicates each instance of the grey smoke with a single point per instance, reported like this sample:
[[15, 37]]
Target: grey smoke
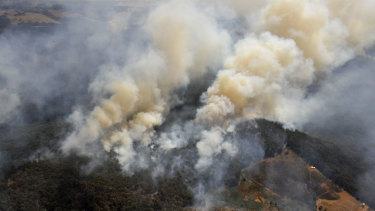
[[46, 74], [67, 71], [344, 112]]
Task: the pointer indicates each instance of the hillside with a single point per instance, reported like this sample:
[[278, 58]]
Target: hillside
[[187, 105], [285, 180]]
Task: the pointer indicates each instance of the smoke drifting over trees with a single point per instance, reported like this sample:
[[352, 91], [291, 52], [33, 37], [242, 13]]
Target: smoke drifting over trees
[[165, 85]]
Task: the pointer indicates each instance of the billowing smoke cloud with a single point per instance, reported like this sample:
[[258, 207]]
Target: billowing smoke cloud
[[178, 76], [143, 92], [269, 72], [265, 78], [212, 143], [290, 47]]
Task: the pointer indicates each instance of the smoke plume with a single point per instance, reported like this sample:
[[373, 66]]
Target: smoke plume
[[296, 44], [166, 84], [265, 72], [143, 93]]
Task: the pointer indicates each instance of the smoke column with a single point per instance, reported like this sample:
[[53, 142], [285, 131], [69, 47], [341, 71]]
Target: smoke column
[[296, 44], [167, 84], [290, 46], [176, 74], [143, 95]]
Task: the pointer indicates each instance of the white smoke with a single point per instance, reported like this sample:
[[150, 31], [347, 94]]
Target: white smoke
[[265, 78], [296, 44], [212, 143], [142, 93], [265, 56], [290, 46]]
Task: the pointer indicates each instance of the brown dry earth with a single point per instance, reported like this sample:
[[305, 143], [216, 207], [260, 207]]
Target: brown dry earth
[[287, 176]]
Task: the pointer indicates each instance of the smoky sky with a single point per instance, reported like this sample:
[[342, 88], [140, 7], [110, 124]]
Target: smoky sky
[[44, 74], [145, 79], [346, 104]]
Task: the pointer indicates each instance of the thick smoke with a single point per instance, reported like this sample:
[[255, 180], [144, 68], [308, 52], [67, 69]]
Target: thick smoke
[[296, 44], [142, 93], [265, 78], [172, 80], [212, 143], [291, 46]]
